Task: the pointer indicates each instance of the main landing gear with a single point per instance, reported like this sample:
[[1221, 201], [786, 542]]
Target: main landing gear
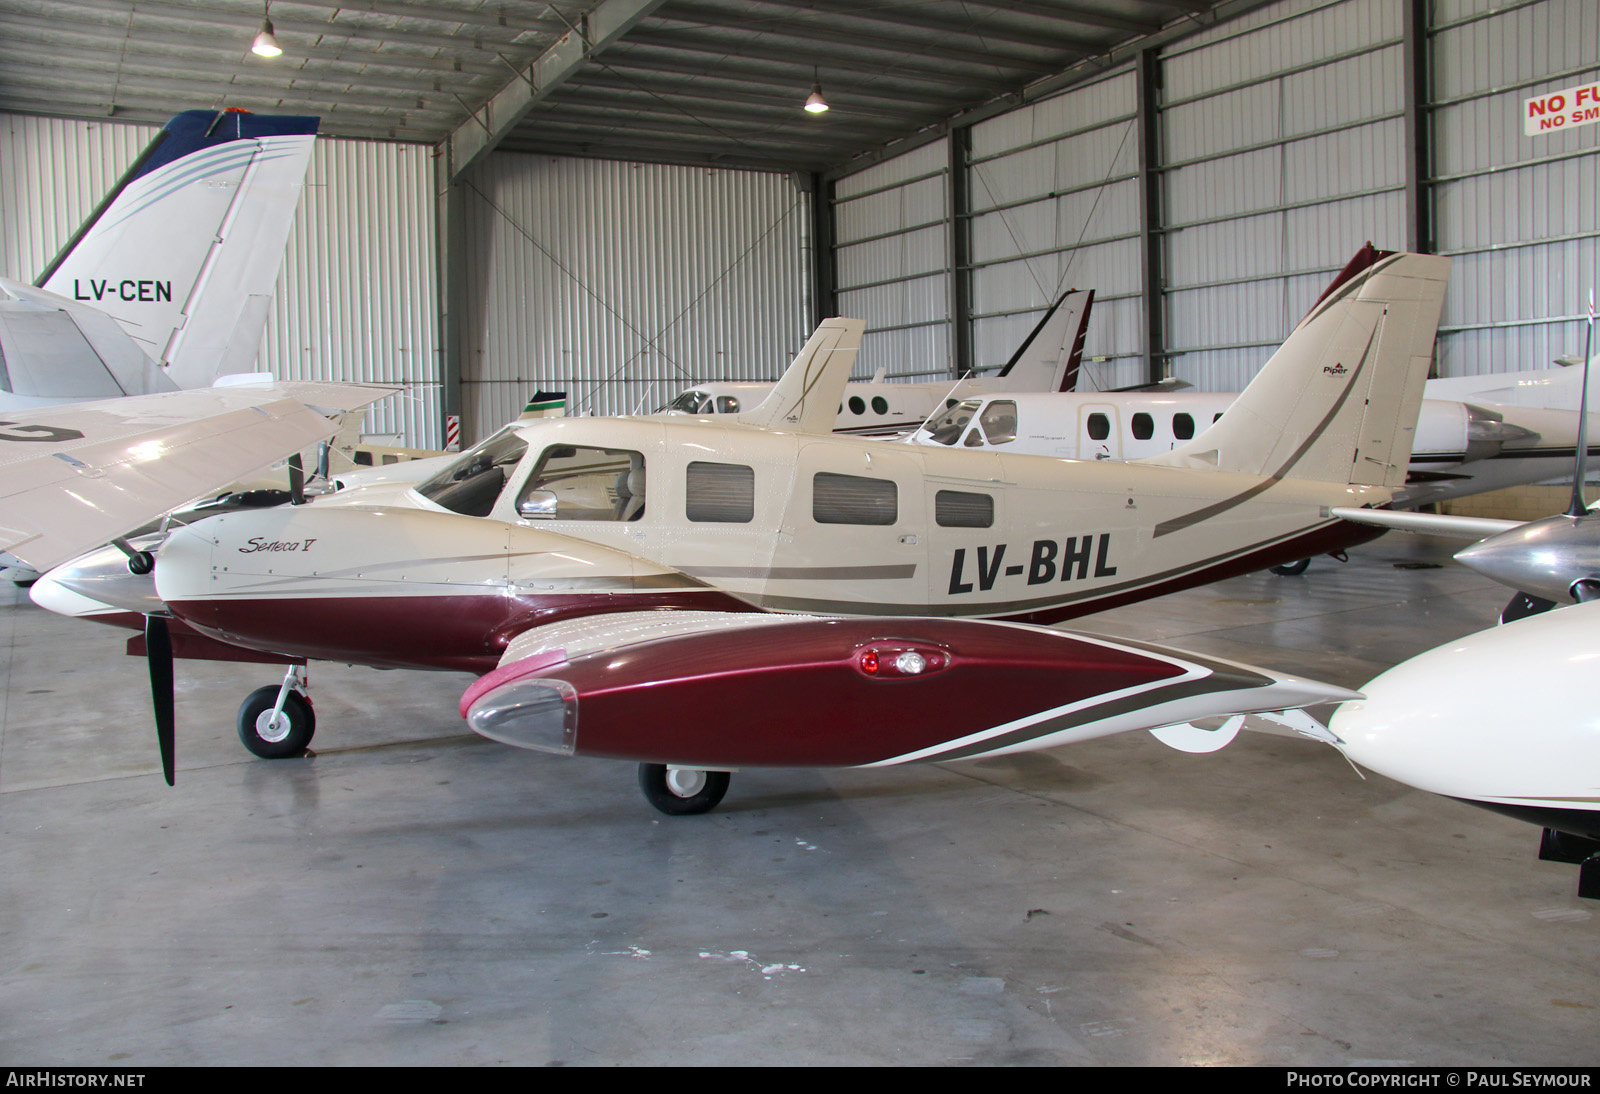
[[682, 791], [276, 722]]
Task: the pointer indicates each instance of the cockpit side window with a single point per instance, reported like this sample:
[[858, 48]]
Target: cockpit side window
[[472, 484], [575, 483], [947, 428], [727, 404], [999, 421]]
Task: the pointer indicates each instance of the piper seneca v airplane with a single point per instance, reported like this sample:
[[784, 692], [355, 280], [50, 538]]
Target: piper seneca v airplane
[[611, 576]]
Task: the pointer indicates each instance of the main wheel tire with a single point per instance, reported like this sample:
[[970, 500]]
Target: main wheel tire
[[683, 791], [281, 742], [1292, 569]]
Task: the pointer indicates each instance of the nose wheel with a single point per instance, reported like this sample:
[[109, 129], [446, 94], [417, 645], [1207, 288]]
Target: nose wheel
[[682, 791], [276, 722]]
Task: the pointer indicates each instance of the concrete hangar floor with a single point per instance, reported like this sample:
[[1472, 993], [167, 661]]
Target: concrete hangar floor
[[416, 895]]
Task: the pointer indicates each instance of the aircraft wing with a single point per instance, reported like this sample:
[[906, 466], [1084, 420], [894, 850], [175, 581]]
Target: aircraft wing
[[73, 477], [721, 690]]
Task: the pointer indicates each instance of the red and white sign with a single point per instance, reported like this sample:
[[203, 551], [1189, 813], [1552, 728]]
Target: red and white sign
[[452, 433], [1564, 109]]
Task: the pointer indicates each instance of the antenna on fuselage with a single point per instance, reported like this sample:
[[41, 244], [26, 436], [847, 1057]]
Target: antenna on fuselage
[[1577, 508]]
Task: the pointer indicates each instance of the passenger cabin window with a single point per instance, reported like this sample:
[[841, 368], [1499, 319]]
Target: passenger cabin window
[[1217, 417], [575, 483], [958, 509], [1099, 427], [948, 427], [472, 484], [1144, 426], [722, 493], [880, 405], [856, 405], [852, 499], [1182, 427]]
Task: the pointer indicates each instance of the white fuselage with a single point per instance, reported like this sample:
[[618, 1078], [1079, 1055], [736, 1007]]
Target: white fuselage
[[733, 516], [1458, 449]]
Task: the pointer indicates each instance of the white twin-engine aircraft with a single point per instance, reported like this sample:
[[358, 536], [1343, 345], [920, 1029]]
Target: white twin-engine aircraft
[[626, 584]]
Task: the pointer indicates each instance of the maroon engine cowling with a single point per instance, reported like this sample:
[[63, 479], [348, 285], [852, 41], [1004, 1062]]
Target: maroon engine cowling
[[840, 692]]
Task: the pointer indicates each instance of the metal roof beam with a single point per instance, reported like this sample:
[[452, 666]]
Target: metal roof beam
[[907, 16], [240, 29], [698, 16], [488, 126], [635, 59], [677, 42], [1067, 14], [844, 103]]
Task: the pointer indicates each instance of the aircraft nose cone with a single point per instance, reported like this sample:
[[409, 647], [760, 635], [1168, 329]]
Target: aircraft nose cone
[[1506, 713], [1543, 557], [98, 583]]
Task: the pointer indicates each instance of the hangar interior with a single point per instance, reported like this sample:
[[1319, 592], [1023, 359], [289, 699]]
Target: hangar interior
[[617, 198]]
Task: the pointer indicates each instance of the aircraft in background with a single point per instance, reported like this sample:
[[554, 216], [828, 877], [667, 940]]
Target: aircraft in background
[[600, 535], [1047, 360], [1460, 448], [167, 285]]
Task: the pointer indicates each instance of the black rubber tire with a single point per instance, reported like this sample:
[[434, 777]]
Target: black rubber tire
[[1292, 569], [302, 723], [653, 781]]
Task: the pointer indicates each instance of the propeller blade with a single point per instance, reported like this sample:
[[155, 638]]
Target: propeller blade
[[158, 653], [1523, 605], [297, 481]]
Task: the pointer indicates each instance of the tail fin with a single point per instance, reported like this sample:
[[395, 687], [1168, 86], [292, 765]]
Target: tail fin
[[1049, 358], [186, 250], [806, 399], [1339, 400]]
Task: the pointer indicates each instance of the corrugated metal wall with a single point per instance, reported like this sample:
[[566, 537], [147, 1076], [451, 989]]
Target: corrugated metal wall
[[1518, 213], [356, 298], [1055, 205], [623, 283], [52, 174], [1282, 152], [1281, 148], [892, 246]]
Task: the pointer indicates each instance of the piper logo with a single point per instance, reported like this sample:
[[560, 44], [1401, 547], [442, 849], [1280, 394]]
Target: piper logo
[[1335, 370]]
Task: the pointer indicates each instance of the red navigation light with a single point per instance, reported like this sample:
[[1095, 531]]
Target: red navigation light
[[900, 660]]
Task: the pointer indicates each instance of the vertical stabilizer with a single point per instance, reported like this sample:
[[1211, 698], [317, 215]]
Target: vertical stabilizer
[[1049, 358], [807, 397], [1339, 400], [185, 254]]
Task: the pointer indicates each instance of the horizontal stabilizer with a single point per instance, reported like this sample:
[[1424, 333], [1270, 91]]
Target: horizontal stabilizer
[[1432, 524]]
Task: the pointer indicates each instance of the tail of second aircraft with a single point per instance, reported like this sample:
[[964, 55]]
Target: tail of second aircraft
[[1339, 400], [807, 397], [1050, 357], [185, 251]]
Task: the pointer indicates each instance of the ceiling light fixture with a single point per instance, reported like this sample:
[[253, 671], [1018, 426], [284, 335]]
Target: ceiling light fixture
[[815, 103], [266, 44]]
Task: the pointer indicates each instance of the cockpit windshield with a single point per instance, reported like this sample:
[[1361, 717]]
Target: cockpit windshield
[[690, 402], [947, 427], [471, 485]]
